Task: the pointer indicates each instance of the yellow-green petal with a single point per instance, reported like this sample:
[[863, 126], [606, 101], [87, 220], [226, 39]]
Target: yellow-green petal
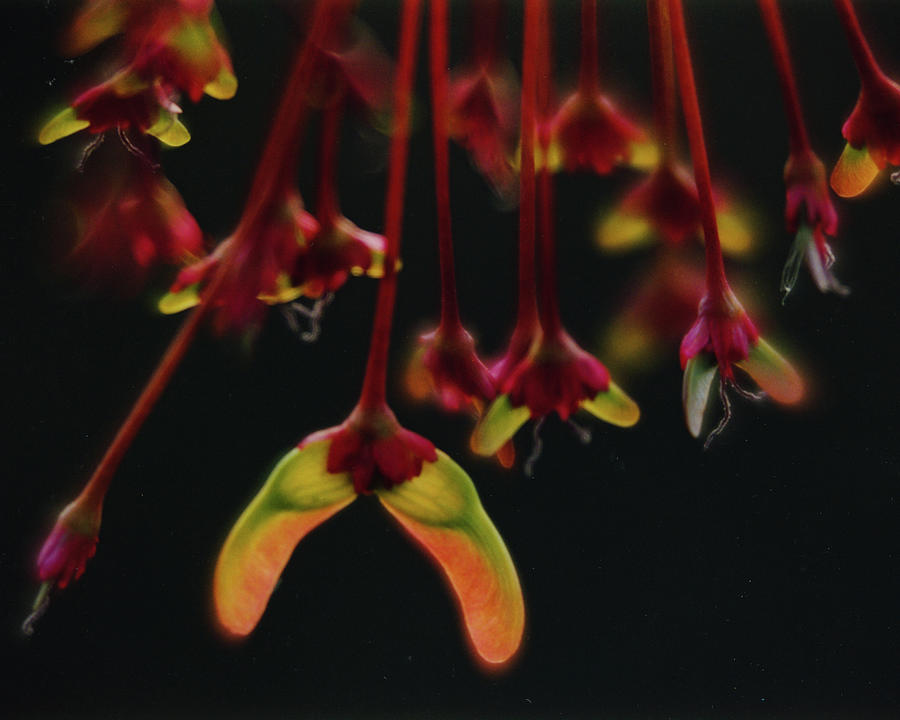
[[643, 155], [223, 87], [61, 125], [854, 172], [734, 232], [176, 302], [499, 423], [773, 373], [620, 232], [169, 130], [613, 406], [699, 374], [440, 509], [298, 496]]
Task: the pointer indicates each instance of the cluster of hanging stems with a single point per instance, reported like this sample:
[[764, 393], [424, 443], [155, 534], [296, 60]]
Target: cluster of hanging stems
[[279, 252]]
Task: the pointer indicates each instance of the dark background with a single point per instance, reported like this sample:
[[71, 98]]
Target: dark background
[[758, 579]]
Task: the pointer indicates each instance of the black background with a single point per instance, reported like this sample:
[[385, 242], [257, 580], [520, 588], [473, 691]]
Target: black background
[[758, 579]]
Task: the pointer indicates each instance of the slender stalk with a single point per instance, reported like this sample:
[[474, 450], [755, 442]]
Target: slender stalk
[[286, 129], [866, 65], [375, 382], [799, 139], [527, 316], [277, 165], [549, 289], [663, 71], [589, 69], [486, 21], [716, 284], [439, 114], [96, 487], [327, 206]]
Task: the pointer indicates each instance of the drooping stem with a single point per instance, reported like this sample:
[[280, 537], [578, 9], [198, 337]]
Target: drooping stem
[[96, 487], [288, 120], [799, 139], [716, 284], [375, 381], [277, 165], [438, 66], [327, 207], [487, 32], [589, 68], [527, 316], [549, 290], [663, 71], [866, 65]]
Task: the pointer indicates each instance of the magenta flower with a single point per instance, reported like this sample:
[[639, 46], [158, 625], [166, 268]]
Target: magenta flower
[[810, 217], [71, 543]]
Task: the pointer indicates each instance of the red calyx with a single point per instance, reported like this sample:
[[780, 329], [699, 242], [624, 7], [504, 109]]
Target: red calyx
[[262, 263], [374, 449], [458, 377], [556, 375], [808, 199], [591, 134], [339, 249], [875, 121], [723, 329], [668, 198], [124, 101]]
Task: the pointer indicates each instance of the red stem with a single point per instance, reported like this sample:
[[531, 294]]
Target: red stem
[[663, 69], [799, 139], [283, 137], [486, 38], [589, 69], [866, 65], [277, 165], [527, 319], [375, 382], [549, 288], [439, 114], [716, 284], [327, 205]]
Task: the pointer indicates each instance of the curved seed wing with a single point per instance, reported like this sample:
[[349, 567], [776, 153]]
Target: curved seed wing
[[298, 496], [441, 510]]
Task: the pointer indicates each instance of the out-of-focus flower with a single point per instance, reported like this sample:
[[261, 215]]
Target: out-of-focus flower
[[357, 72], [484, 119], [170, 46], [665, 205], [653, 317], [430, 496], [589, 133], [129, 221], [810, 217], [447, 366], [123, 102], [261, 271], [338, 250]]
